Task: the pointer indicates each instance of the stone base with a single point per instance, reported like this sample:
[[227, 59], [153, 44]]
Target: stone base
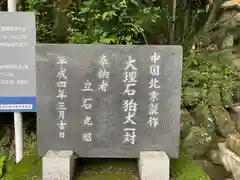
[[154, 165], [58, 165]]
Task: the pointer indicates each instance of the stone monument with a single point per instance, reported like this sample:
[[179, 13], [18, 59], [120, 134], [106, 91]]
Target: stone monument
[[109, 101]]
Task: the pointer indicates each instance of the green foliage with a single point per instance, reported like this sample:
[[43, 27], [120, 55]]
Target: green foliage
[[2, 162], [111, 22], [122, 21], [210, 78], [44, 11]]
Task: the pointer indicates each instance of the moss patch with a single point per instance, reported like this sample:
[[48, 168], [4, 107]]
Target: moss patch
[[107, 175], [102, 169], [185, 168], [2, 161], [28, 169]]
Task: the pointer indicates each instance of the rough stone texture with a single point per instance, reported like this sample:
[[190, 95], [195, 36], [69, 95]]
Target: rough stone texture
[[237, 90], [204, 118], [191, 96], [105, 135], [215, 172], [154, 165], [58, 165], [197, 141], [233, 143], [187, 121], [224, 123], [214, 96], [236, 115], [227, 94], [230, 160], [214, 156]]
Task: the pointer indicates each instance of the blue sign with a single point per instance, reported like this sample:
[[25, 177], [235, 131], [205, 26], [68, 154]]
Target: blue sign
[[17, 104]]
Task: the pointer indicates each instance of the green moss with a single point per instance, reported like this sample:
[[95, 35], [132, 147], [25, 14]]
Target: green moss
[[214, 96], [187, 121], [227, 95], [223, 121], [185, 168], [204, 118], [108, 175], [197, 141], [102, 169], [2, 162], [191, 96], [28, 169]]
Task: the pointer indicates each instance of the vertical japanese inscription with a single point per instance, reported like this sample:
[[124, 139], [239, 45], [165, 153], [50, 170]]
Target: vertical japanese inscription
[[87, 106], [61, 94], [154, 71], [103, 73], [130, 105]]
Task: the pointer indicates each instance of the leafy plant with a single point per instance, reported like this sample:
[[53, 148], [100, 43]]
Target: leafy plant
[[2, 161], [111, 22]]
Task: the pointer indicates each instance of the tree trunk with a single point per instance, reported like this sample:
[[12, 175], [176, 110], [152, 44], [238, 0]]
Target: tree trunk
[[61, 22], [173, 14], [216, 7]]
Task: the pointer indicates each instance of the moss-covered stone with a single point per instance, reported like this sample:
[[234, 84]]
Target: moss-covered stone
[[214, 96], [197, 141], [187, 121], [185, 168], [227, 96], [204, 118], [191, 96], [223, 121], [215, 172], [237, 93]]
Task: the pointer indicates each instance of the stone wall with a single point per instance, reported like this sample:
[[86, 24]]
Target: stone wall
[[210, 133]]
